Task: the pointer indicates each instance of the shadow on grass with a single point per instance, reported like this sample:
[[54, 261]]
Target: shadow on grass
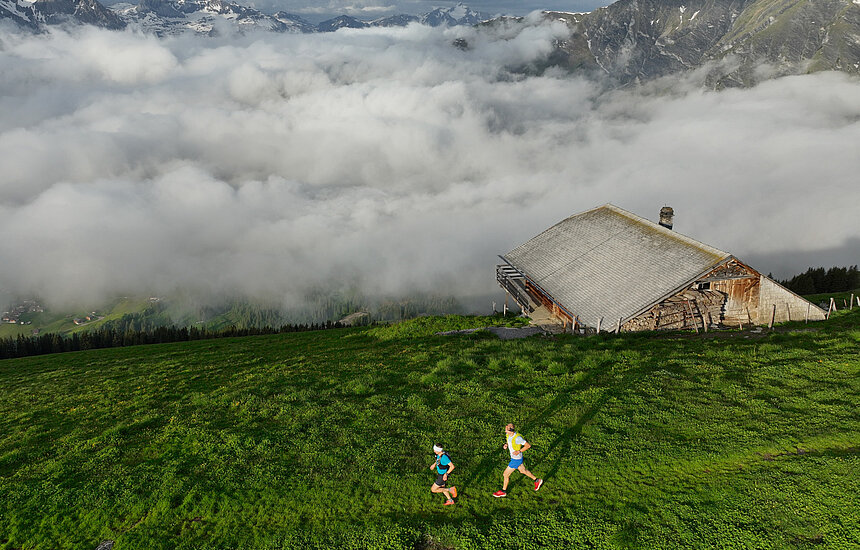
[[562, 444], [560, 447]]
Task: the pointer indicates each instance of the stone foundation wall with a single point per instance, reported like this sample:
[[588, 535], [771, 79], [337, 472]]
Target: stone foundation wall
[[789, 306]]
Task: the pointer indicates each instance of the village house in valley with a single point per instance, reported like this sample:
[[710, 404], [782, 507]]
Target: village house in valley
[[607, 269], [14, 315]]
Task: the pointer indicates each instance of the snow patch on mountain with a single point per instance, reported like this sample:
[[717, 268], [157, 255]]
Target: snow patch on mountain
[[20, 12], [172, 17], [453, 16]]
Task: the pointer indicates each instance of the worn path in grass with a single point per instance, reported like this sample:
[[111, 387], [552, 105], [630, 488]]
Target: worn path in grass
[[323, 440]]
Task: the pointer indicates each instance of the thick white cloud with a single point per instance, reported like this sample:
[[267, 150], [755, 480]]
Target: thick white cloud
[[267, 165]]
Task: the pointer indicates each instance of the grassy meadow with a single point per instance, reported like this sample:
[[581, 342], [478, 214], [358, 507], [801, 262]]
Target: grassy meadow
[[323, 439]]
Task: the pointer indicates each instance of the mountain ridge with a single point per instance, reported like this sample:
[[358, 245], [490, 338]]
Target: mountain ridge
[[743, 41], [163, 17], [739, 42]]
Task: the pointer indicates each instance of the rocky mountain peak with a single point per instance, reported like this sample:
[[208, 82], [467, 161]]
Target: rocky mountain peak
[[162, 8], [19, 12], [89, 12], [459, 14], [634, 40], [341, 22], [738, 42]]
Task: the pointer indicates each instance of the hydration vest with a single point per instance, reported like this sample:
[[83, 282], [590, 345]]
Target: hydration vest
[[440, 469], [514, 445]]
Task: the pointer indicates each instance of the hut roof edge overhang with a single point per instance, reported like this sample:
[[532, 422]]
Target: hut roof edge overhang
[[612, 264]]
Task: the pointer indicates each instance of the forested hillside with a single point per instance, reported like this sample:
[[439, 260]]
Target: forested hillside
[[817, 280]]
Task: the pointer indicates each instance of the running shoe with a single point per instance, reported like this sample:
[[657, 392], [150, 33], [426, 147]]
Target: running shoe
[[453, 492], [448, 502], [500, 493], [538, 484]]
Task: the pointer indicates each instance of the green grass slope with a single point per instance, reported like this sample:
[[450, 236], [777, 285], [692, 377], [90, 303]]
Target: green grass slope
[[323, 439], [63, 322]]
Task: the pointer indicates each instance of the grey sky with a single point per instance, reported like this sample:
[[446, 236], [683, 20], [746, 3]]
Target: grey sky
[[268, 165]]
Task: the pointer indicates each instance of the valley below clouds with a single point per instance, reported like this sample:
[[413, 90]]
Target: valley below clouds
[[386, 159]]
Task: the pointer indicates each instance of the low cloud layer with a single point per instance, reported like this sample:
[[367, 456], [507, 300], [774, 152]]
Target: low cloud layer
[[269, 165]]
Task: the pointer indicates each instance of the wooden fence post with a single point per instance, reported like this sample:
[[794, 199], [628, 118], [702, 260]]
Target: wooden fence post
[[851, 302], [808, 305], [788, 310], [693, 317], [702, 316], [618, 328], [772, 316], [598, 324]]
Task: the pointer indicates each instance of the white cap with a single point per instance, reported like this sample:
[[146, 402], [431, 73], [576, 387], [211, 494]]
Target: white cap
[[437, 449]]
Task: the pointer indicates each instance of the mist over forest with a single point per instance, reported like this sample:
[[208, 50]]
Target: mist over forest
[[385, 161]]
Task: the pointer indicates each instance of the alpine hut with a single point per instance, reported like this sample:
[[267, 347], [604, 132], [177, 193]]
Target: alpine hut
[[608, 269]]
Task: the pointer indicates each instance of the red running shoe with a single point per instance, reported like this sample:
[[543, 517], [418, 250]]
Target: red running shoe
[[538, 484], [500, 493], [453, 492], [448, 502]]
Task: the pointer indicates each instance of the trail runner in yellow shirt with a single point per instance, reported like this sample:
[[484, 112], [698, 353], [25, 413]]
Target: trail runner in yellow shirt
[[517, 446]]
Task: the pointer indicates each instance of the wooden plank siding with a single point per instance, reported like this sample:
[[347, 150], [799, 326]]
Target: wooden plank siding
[[741, 285], [741, 305], [727, 295], [549, 303]]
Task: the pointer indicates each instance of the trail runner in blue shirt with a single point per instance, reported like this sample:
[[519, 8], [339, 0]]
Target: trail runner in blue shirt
[[444, 467]]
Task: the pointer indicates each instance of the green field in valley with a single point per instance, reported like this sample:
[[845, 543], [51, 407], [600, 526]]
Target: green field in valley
[[323, 439], [63, 322]]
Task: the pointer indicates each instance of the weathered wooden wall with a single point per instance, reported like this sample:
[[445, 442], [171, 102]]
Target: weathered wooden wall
[[550, 306], [731, 295], [742, 297]]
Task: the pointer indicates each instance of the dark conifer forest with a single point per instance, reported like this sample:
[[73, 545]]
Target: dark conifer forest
[[817, 280]]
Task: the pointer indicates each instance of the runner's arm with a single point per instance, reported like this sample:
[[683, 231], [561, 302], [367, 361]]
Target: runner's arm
[[450, 469], [526, 446]]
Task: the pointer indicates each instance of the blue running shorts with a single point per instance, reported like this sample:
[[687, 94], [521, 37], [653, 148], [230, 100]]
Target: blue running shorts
[[515, 463]]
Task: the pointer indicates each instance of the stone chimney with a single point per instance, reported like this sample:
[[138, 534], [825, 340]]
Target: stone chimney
[[666, 214]]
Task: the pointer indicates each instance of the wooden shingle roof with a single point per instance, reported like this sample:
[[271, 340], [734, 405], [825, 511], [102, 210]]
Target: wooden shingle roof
[[609, 263]]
